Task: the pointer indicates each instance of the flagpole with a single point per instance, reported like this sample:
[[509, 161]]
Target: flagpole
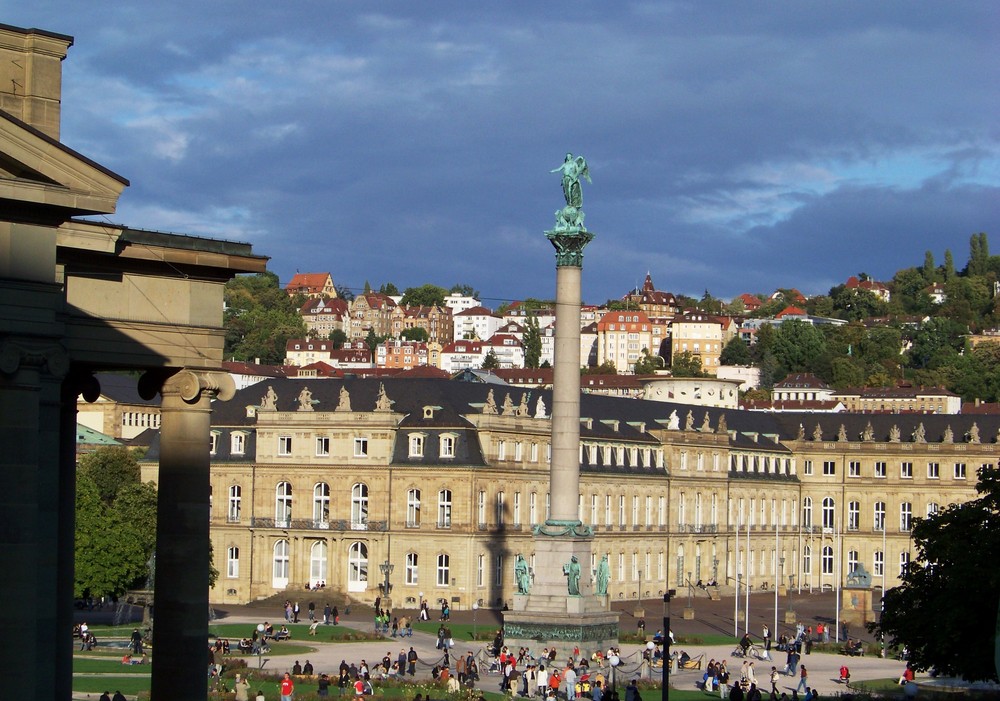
[[774, 564], [746, 617], [736, 572], [838, 542]]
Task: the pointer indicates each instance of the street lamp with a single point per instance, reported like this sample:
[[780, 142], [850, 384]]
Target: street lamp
[[614, 661], [475, 610], [386, 569]]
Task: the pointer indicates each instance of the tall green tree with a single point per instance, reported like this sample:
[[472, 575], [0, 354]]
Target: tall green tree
[[464, 290], [798, 346], [109, 558], [417, 333], [338, 337], [929, 271], [532, 342], [944, 610], [736, 352], [110, 468], [647, 364], [491, 361]]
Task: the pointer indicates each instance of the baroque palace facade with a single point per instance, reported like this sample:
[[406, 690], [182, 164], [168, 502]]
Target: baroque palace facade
[[324, 481]]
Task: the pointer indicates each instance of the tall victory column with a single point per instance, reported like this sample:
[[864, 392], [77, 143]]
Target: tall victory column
[[560, 607]]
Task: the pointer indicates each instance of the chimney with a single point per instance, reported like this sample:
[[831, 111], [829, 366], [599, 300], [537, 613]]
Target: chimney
[[31, 76]]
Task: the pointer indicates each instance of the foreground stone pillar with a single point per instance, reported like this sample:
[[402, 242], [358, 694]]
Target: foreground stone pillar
[[180, 600]]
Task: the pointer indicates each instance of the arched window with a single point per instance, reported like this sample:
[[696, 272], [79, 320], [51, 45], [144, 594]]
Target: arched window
[[905, 516], [412, 508], [357, 567], [879, 515], [233, 562], [680, 565], [283, 505], [279, 579], [807, 512], [321, 505], [828, 513], [443, 570], [359, 506], [317, 562], [235, 503], [411, 568], [444, 509], [853, 515], [827, 560], [932, 508]]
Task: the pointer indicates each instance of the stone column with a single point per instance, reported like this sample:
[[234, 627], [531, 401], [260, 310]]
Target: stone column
[[180, 630], [565, 468], [32, 526]]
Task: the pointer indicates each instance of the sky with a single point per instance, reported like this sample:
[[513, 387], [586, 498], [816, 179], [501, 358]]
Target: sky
[[733, 146]]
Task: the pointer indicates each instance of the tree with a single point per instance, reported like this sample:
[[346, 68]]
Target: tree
[[109, 559], [490, 362], [532, 342], [259, 319], [110, 469], [344, 292], [798, 346], [949, 266], [464, 290], [388, 289], [736, 352], [686, 364], [929, 271], [417, 333], [943, 611], [605, 368], [424, 296], [339, 338], [648, 364]]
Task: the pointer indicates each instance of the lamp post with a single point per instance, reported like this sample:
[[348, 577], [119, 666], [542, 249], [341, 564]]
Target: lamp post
[[475, 610], [614, 661], [386, 569], [690, 590]]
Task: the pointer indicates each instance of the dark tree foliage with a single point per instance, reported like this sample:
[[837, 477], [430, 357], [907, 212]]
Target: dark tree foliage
[[944, 611], [464, 290], [417, 333], [532, 342], [260, 317], [110, 469], [490, 362], [686, 364], [424, 296], [736, 352]]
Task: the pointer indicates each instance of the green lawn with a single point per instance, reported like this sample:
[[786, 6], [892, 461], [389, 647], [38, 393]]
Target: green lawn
[[88, 665], [130, 685]]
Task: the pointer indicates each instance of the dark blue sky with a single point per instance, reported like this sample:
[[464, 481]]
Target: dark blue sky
[[733, 146]]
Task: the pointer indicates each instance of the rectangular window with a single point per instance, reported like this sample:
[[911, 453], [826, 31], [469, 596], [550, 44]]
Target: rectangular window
[[481, 508], [284, 445], [880, 469], [906, 470], [443, 570], [593, 509], [498, 578], [960, 470], [854, 468], [518, 451], [607, 510], [879, 516], [502, 450], [416, 445], [213, 442], [829, 467], [533, 452], [322, 446], [878, 565], [807, 467], [933, 470], [447, 449], [621, 511], [361, 447], [239, 442], [533, 509]]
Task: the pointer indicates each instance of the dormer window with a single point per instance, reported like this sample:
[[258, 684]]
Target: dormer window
[[417, 445], [446, 447]]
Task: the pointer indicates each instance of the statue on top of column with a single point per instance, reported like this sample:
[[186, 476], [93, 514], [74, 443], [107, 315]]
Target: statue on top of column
[[573, 168]]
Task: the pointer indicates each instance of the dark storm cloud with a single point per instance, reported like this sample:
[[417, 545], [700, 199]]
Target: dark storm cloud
[[733, 147]]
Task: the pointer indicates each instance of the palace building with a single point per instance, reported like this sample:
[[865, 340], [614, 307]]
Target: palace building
[[325, 481]]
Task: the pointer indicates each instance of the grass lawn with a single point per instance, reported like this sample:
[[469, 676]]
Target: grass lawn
[[129, 685], [89, 665]]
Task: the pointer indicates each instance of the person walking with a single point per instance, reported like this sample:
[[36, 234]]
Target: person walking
[[411, 662], [803, 679], [312, 611]]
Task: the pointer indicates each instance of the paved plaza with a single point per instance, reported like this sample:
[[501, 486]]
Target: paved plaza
[[711, 617]]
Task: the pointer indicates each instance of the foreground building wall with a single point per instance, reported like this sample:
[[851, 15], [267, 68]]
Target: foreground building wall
[[445, 480]]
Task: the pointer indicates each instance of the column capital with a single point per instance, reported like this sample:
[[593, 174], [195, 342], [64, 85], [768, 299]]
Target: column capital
[[569, 245], [188, 384], [24, 354]]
